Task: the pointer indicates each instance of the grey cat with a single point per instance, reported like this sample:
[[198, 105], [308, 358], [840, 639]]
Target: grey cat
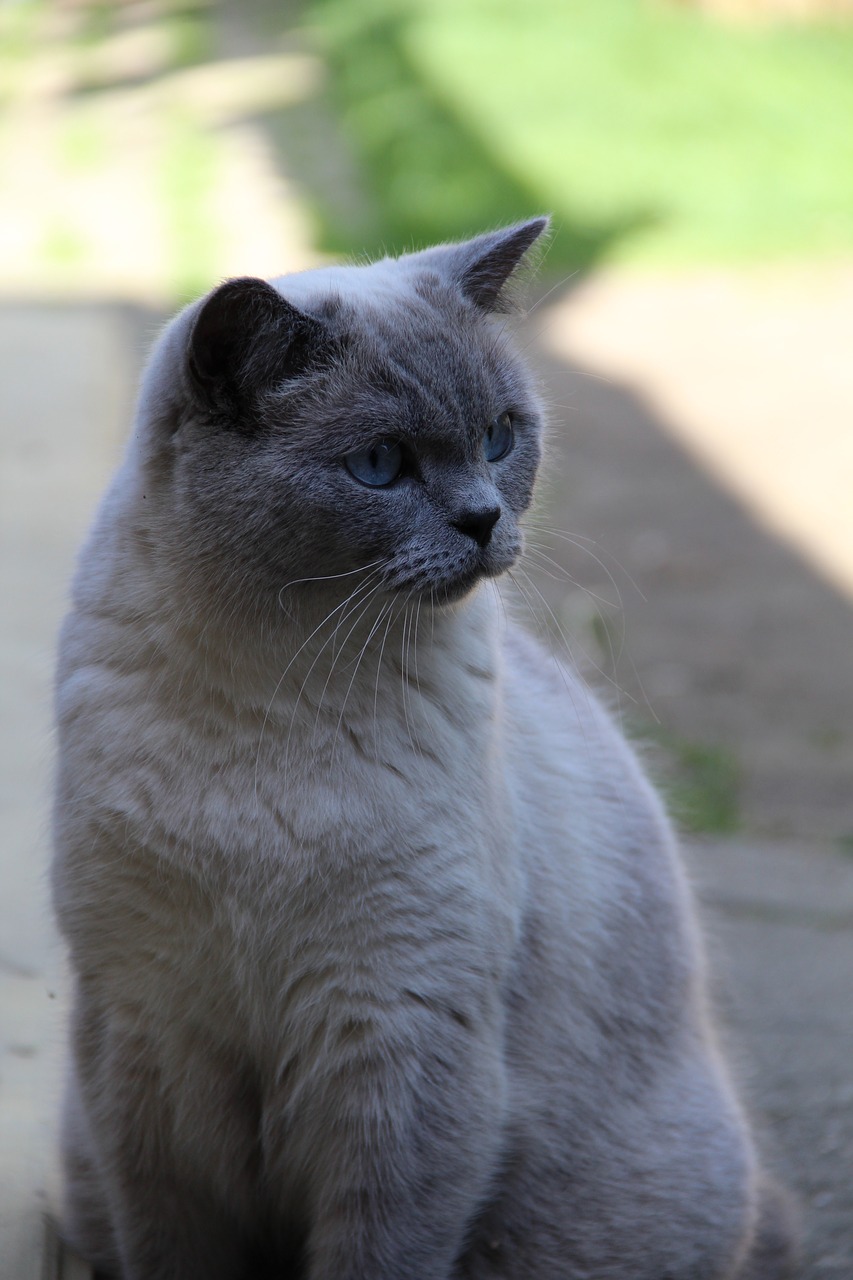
[[385, 968]]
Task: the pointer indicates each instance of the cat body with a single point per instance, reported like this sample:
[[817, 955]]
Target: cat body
[[384, 962]]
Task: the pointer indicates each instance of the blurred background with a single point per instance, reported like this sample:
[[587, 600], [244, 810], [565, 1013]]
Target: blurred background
[[693, 325]]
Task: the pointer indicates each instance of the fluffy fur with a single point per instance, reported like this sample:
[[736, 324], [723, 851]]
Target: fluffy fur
[[385, 967]]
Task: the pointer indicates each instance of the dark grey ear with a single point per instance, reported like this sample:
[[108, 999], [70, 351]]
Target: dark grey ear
[[482, 267], [246, 339]]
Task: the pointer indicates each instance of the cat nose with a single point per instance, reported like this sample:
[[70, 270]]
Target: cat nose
[[478, 524]]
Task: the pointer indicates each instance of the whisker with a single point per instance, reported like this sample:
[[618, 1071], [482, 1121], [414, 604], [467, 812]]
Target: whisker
[[326, 577], [341, 605], [415, 643], [581, 542], [559, 666], [610, 680], [358, 607], [404, 674], [576, 540], [374, 628], [615, 656], [541, 563], [359, 610], [553, 569], [378, 666]]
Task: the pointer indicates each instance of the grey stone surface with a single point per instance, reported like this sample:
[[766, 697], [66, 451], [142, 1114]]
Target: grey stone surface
[[779, 920], [738, 624], [720, 630], [66, 381]]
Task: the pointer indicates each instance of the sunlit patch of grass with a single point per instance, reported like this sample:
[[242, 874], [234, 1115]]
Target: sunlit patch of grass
[[662, 135], [187, 177], [18, 28], [63, 246], [191, 39], [82, 144], [98, 19], [124, 144], [430, 175]]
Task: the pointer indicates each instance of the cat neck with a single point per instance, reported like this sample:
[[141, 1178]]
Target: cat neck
[[330, 653]]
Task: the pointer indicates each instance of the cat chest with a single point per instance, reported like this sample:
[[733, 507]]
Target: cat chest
[[299, 898], [267, 880]]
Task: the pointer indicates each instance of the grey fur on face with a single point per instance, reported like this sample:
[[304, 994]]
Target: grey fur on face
[[428, 371], [384, 962]]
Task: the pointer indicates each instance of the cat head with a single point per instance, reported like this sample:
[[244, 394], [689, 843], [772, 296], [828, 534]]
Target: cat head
[[352, 418]]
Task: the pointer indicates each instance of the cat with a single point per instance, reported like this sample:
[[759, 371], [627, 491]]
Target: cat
[[384, 964]]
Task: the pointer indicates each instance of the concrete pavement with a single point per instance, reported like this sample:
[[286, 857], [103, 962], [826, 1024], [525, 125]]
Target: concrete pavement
[[67, 376], [779, 922]]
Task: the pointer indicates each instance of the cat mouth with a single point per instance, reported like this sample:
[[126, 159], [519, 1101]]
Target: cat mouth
[[446, 584]]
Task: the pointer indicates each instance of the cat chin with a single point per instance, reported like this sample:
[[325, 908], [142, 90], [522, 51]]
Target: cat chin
[[466, 583], [452, 592]]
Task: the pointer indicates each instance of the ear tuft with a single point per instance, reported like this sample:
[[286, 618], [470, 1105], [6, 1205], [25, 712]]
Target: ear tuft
[[492, 260], [481, 268], [245, 339]]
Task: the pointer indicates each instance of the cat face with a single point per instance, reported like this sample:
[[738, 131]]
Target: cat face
[[368, 418]]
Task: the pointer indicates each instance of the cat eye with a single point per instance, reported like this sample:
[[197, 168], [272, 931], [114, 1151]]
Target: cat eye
[[498, 438], [378, 465]]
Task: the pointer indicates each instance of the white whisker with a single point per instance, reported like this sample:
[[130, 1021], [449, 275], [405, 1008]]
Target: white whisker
[[375, 627], [342, 604], [358, 607], [378, 668]]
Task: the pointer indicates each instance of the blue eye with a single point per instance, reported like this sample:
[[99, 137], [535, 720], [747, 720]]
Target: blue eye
[[377, 465], [498, 438]]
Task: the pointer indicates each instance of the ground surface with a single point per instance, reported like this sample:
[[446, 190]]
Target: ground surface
[[703, 437], [703, 441], [739, 640]]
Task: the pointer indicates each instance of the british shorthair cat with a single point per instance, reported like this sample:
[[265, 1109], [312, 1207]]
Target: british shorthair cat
[[384, 964]]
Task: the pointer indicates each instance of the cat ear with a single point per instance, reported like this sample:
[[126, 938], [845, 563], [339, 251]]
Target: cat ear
[[246, 339], [482, 267]]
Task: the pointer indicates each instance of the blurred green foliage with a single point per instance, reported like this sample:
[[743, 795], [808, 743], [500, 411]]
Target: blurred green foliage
[[431, 174], [652, 133], [699, 781], [186, 174]]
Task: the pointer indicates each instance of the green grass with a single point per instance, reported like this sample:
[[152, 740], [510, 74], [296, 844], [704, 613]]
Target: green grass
[[653, 134], [62, 246], [77, 139], [187, 176], [699, 781]]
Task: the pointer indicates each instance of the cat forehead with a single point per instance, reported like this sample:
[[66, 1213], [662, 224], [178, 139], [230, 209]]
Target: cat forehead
[[375, 283], [401, 317], [395, 302]]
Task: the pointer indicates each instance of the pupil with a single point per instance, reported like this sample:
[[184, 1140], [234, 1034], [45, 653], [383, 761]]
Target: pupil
[[373, 458]]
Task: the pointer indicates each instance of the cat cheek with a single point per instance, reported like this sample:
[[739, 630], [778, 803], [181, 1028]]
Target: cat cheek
[[504, 550], [520, 488]]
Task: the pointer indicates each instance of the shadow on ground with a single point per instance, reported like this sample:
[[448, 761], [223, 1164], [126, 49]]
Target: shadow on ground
[[696, 616]]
